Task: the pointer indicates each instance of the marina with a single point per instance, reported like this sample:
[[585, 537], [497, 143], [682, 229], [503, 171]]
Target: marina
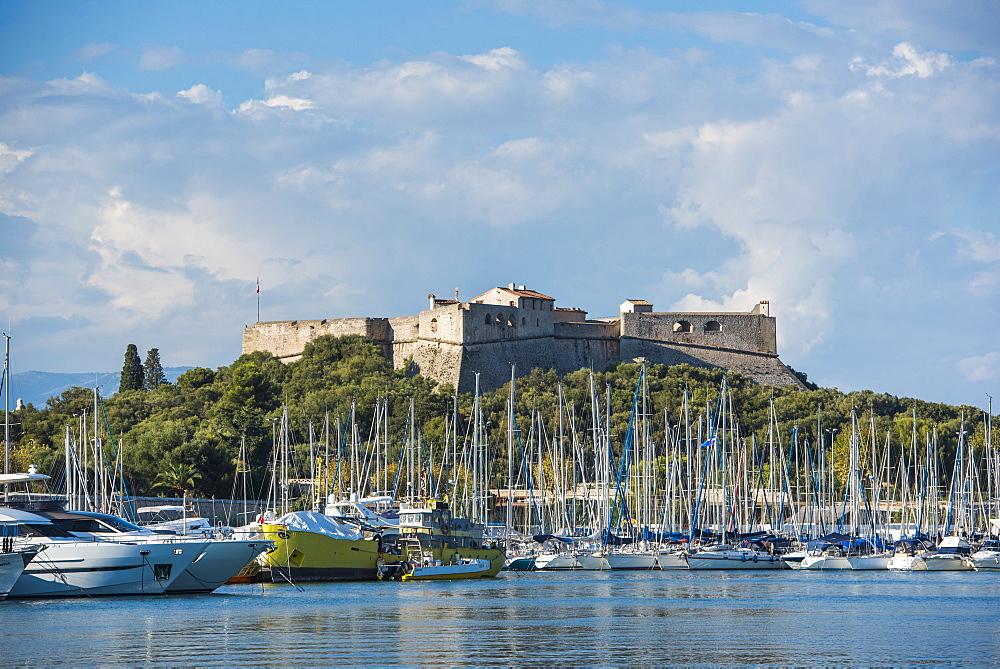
[[565, 618]]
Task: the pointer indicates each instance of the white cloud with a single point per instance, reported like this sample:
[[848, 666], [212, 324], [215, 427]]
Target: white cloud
[[10, 158], [906, 61], [202, 95], [978, 368], [708, 175], [498, 59]]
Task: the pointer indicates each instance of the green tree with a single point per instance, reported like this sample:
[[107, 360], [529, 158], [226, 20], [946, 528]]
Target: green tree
[[178, 477], [153, 370], [132, 374]]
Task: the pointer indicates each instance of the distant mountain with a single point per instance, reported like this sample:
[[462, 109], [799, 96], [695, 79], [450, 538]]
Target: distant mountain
[[36, 387]]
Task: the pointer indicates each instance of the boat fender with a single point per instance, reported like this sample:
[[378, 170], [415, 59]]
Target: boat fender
[[743, 557], [772, 558], [755, 558], [445, 529]]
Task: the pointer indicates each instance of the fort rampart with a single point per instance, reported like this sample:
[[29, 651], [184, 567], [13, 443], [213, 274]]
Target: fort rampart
[[454, 341]]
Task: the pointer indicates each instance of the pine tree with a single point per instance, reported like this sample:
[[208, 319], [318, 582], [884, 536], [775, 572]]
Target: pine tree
[[132, 374], [153, 370]]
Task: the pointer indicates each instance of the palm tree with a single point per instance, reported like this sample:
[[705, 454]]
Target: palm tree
[[178, 476]]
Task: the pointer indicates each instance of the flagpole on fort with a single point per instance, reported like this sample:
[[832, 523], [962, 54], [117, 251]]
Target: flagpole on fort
[[258, 299]]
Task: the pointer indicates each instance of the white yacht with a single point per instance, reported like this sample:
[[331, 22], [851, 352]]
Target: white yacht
[[826, 553], [952, 554], [908, 555], [173, 518], [672, 559], [725, 556], [565, 560], [987, 558], [221, 558], [634, 560], [70, 566], [12, 564]]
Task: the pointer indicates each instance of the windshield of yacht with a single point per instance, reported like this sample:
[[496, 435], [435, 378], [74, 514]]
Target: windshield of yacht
[[95, 523], [43, 530]]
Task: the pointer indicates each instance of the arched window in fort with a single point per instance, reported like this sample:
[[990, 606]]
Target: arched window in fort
[[489, 319], [499, 319], [713, 326], [524, 321], [512, 322], [434, 325], [682, 326], [538, 322]]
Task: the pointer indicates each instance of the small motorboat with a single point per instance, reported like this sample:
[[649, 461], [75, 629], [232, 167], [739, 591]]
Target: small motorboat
[[426, 568]]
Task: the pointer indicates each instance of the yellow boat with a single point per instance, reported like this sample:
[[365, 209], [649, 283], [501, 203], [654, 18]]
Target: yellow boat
[[309, 546], [430, 532], [433, 570]]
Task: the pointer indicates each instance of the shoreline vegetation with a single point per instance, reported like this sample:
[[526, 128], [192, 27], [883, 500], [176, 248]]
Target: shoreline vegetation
[[212, 433]]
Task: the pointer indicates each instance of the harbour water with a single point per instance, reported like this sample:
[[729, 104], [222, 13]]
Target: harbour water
[[573, 618]]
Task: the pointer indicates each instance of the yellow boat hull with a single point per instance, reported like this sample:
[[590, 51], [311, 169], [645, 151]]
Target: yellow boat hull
[[300, 555]]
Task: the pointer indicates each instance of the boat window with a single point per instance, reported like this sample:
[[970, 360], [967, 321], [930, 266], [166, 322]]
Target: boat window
[[89, 525], [120, 524], [44, 530]]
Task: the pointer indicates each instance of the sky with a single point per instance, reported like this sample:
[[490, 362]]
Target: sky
[[838, 158]]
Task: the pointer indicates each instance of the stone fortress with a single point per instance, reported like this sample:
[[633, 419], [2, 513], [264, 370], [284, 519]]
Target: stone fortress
[[452, 341]]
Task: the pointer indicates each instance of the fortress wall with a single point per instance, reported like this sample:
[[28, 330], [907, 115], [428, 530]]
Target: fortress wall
[[746, 332], [493, 361], [760, 367], [445, 324], [527, 323], [404, 328], [451, 342], [441, 361], [287, 339], [592, 353], [587, 330]]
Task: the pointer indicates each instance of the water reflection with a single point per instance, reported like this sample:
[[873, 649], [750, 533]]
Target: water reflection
[[569, 618]]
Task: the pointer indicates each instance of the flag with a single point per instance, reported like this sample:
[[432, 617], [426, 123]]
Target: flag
[[709, 442], [258, 286]]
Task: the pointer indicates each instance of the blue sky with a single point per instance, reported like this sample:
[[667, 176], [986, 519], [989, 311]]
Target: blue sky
[[839, 159]]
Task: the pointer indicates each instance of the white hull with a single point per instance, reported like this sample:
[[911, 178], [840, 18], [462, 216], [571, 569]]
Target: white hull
[[11, 566], [985, 560], [632, 561], [824, 562], [947, 563], [737, 558], [571, 561], [592, 562], [674, 560], [466, 569], [906, 563], [556, 562], [88, 568], [219, 562], [870, 562]]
